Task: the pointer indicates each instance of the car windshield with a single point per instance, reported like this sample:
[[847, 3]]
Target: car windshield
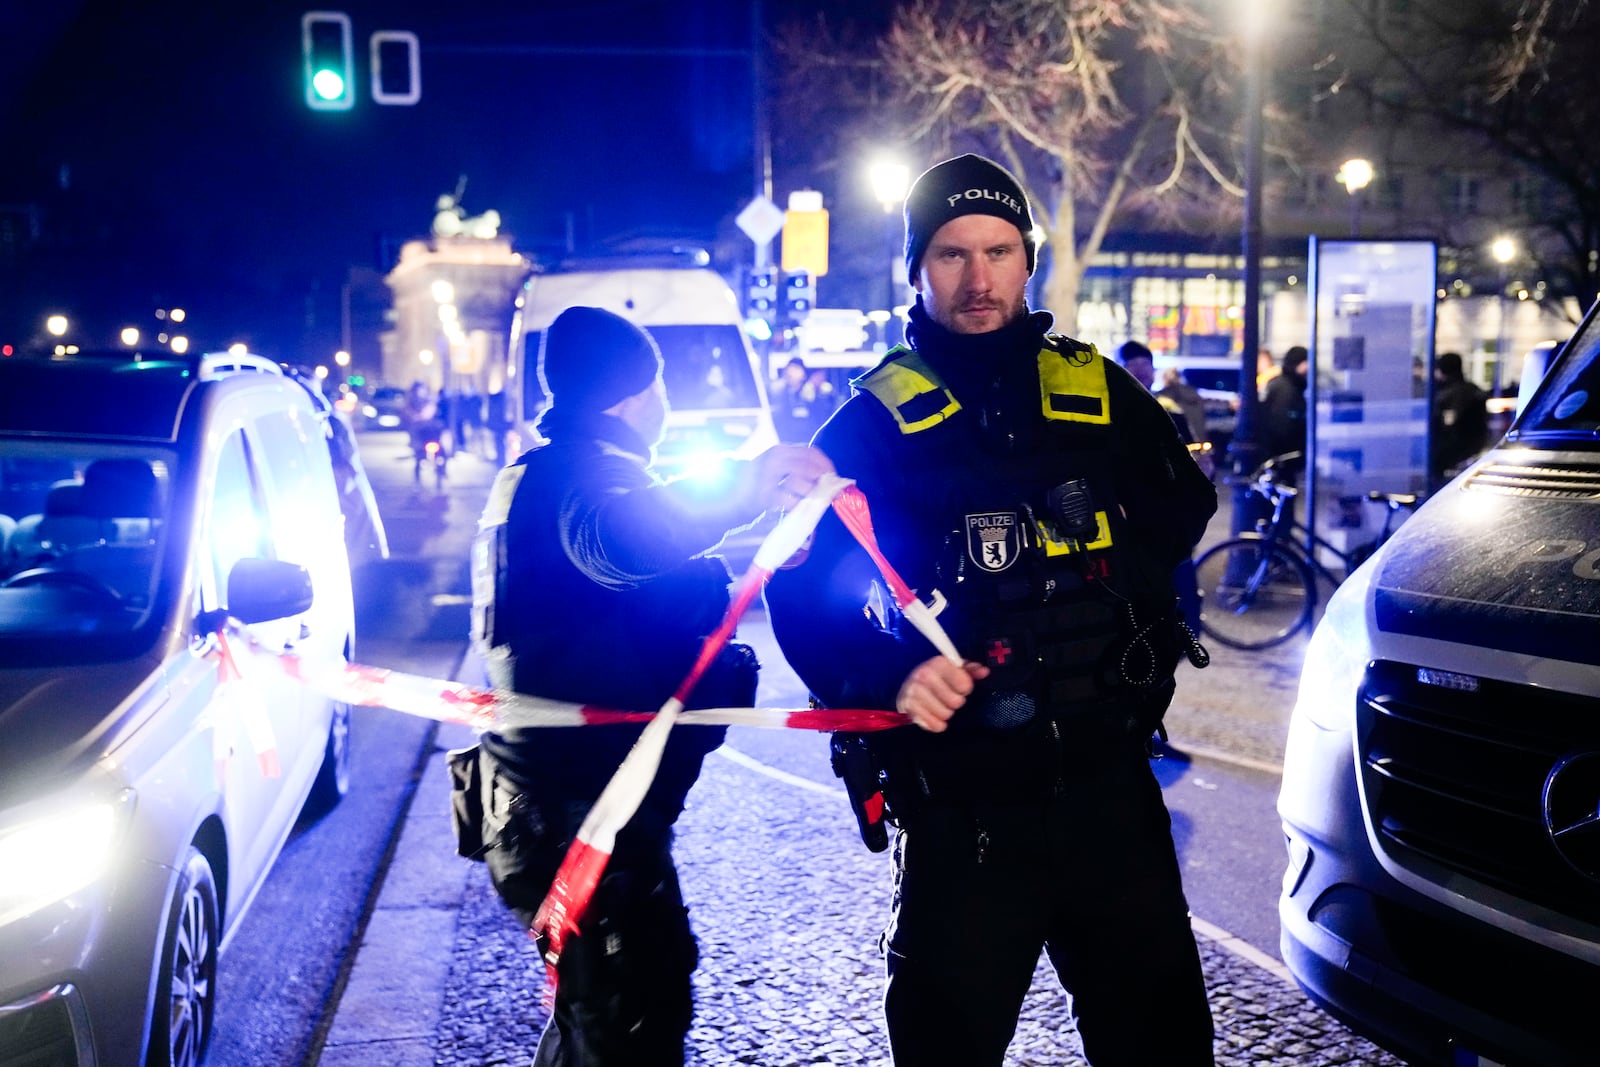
[[1567, 404], [82, 526], [706, 367]]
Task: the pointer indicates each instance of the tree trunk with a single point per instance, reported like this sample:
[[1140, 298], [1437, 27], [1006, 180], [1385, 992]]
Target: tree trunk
[[1061, 284]]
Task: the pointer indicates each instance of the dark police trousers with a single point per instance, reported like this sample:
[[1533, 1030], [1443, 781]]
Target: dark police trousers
[[623, 997], [1087, 873]]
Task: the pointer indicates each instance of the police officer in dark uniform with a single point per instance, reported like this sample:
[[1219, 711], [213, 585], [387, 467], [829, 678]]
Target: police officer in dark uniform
[[1046, 497], [594, 582]]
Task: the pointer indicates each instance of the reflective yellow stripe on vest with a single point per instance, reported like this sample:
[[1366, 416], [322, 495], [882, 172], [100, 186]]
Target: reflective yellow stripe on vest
[[1052, 547], [1072, 383], [910, 389], [1072, 387]]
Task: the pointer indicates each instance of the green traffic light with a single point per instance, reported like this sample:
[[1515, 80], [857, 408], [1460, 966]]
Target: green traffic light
[[328, 55], [328, 84]]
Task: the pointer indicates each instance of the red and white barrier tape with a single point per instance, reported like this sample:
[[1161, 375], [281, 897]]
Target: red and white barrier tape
[[236, 708], [498, 709], [581, 869], [851, 507]]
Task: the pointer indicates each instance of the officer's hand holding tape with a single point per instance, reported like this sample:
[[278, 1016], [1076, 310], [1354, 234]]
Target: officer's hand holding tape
[[781, 477], [936, 689], [740, 491]]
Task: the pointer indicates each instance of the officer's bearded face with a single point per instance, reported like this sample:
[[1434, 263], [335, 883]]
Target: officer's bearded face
[[974, 275]]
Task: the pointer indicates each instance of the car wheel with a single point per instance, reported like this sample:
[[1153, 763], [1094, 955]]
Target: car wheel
[[333, 779], [186, 994]]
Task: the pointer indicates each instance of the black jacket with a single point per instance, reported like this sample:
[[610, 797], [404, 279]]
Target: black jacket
[[603, 595], [1283, 416], [817, 608], [1460, 424]]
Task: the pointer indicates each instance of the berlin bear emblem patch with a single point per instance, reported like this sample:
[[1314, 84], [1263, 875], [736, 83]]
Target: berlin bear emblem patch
[[993, 539]]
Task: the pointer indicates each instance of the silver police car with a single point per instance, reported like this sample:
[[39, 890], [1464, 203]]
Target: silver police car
[[164, 521]]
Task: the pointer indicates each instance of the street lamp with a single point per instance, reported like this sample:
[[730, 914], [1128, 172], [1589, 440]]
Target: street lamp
[[56, 325], [890, 181], [1504, 250], [1355, 175], [1255, 24]]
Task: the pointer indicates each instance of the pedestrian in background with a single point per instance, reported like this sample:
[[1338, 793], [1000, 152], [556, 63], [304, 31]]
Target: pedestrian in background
[[1266, 370], [801, 401], [1046, 495], [1174, 390], [1139, 362], [1460, 427], [497, 423], [1283, 412], [594, 582]]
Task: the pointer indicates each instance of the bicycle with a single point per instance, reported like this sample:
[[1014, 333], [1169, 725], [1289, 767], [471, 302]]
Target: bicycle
[[1259, 588]]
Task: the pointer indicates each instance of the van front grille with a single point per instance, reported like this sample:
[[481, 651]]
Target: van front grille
[[1455, 775]]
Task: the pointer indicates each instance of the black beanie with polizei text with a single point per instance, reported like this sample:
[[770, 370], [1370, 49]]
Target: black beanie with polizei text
[[965, 185]]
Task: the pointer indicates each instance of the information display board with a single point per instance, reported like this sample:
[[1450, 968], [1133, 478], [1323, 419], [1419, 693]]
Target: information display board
[[1372, 334]]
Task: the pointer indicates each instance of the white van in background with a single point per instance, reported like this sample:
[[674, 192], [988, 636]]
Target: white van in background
[[716, 387], [1441, 784]]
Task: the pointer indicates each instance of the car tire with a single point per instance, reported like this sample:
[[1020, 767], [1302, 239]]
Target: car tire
[[186, 990], [333, 778]]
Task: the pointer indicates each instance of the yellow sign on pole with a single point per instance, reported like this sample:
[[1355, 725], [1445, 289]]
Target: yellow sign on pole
[[805, 242]]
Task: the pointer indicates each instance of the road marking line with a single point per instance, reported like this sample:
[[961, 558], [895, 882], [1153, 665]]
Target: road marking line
[[1220, 756], [750, 763]]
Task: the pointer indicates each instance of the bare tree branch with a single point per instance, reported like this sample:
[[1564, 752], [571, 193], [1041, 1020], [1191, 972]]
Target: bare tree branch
[[1071, 95]]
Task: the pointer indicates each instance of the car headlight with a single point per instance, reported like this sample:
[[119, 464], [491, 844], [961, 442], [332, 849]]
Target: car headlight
[[51, 853], [1336, 658]]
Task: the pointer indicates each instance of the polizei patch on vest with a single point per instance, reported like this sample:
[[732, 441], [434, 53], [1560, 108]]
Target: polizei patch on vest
[[993, 539]]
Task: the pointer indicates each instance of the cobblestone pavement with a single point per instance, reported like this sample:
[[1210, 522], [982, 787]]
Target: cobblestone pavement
[[787, 905]]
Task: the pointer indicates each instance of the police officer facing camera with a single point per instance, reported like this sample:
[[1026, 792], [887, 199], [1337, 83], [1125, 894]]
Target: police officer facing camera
[[1047, 496], [594, 582]]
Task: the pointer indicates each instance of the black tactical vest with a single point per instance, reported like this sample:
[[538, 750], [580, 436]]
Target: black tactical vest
[[1032, 563]]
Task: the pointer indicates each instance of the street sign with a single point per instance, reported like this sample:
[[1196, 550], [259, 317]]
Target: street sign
[[761, 220], [805, 242]]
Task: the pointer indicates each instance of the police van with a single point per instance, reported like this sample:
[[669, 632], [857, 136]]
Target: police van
[[716, 388], [1441, 783]]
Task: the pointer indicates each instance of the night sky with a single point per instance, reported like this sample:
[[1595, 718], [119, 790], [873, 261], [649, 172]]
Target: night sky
[[171, 160]]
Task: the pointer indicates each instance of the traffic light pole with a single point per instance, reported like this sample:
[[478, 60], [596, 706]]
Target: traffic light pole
[[760, 126]]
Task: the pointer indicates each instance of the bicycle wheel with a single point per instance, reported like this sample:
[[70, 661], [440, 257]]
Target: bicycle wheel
[[1255, 594]]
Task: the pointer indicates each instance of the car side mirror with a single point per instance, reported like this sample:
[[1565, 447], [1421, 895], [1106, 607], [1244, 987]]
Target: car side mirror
[[260, 590]]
